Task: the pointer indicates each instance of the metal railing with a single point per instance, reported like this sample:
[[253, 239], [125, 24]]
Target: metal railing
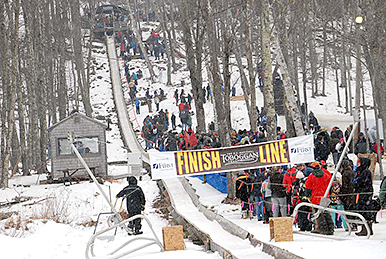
[[113, 254]]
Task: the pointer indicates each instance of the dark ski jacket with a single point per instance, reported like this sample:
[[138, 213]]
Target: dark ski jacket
[[135, 199]]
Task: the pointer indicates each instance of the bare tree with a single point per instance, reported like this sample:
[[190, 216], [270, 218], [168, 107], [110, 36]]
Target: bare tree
[[267, 71]]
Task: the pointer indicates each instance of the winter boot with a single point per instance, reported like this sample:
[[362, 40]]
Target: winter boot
[[137, 232], [371, 227], [363, 231]]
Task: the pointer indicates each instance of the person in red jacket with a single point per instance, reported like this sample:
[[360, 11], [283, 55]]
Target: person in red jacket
[[181, 106], [316, 185], [122, 48], [317, 182], [288, 179]]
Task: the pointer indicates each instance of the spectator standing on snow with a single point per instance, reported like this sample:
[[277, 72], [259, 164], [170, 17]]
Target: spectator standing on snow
[[189, 99], [157, 101], [316, 185], [364, 188], [361, 150], [122, 48], [322, 149], [149, 101], [173, 119], [298, 196], [279, 201], [266, 194], [288, 178], [135, 77], [340, 147], [312, 119], [134, 47], [135, 202], [258, 179], [176, 96], [204, 94], [208, 92], [137, 106], [332, 143], [347, 188]]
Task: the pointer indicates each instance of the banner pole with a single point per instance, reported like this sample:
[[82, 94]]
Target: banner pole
[[112, 207], [341, 158]]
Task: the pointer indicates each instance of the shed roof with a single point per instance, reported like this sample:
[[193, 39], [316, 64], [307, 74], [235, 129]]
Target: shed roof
[[81, 115]]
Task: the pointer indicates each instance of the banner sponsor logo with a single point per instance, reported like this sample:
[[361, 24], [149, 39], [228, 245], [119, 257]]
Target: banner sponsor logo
[[240, 157], [280, 152], [163, 166], [301, 150]]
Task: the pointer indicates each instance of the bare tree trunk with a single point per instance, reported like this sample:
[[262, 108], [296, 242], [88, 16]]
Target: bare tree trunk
[[291, 108], [269, 104], [22, 132], [91, 39], [14, 28], [4, 69], [227, 51], [324, 58], [293, 112], [171, 44], [251, 69], [214, 69], [313, 62], [349, 81], [343, 65], [168, 47], [244, 80], [336, 65], [304, 69], [194, 64], [172, 22], [213, 48], [78, 54]]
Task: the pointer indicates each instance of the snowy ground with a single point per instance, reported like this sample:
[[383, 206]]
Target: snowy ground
[[78, 204]]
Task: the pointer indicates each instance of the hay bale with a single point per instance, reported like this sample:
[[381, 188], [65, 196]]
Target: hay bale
[[281, 229], [173, 238]]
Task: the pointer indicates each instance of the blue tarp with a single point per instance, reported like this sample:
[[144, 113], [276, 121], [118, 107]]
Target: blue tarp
[[217, 181]]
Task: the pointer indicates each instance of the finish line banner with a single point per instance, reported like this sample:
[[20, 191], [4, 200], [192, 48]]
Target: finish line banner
[[205, 161]]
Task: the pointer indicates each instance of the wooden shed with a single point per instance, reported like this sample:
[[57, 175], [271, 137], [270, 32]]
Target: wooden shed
[[90, 140]]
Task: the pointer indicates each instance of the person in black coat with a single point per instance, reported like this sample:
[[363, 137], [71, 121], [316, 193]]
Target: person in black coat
[[347, 189], [322, 149], [364, 187], [278, 190], [135, 202]]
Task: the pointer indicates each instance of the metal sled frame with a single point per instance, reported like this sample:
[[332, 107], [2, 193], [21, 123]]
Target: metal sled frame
[[116, 218], [112, 255], [342, 213]]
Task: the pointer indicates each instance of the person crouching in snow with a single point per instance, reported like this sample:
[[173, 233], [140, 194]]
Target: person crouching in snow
[[135, 202]]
